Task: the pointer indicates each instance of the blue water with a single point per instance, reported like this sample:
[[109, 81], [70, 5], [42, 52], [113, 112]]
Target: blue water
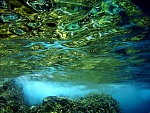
[[133, 97]]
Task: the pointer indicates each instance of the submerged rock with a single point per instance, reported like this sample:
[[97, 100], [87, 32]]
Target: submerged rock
[[91, 103], [11, 98], [12, 101]]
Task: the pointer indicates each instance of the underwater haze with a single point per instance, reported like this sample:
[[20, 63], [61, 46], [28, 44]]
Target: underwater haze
[[74, 47], [133, 97]]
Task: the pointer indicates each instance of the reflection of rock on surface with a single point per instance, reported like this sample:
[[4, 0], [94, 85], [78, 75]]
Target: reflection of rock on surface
[[11, 101], [68, 16]]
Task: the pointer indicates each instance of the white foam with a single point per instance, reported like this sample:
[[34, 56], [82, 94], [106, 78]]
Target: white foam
[[35, 91]]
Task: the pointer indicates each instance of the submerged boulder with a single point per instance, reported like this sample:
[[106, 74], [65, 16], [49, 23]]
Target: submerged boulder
[[91, 103]]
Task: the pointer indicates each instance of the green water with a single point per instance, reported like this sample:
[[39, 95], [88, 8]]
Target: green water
[[98, 42], [74, 43], [57, 62], [71, 48]]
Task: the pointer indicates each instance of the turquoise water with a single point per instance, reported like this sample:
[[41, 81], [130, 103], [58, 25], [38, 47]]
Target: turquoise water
[[106, 48]]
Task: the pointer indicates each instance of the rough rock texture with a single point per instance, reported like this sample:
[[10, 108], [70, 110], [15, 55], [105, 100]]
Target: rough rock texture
[[92, 103], [11, 98]]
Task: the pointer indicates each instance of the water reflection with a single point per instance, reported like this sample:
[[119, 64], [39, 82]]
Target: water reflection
[[104, 42]]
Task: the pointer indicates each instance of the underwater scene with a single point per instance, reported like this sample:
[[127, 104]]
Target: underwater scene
[[74, 56]]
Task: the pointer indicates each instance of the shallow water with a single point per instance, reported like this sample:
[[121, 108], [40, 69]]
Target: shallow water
[[104, 49]]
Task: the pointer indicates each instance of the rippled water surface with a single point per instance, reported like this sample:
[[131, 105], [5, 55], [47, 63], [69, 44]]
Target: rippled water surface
[[99, 46]]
